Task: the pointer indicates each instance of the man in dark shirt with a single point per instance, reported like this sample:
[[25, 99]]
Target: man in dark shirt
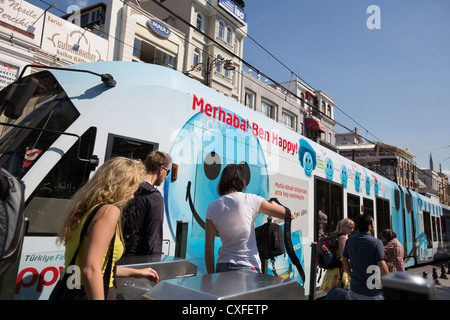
[[364, 260], [149, 206]]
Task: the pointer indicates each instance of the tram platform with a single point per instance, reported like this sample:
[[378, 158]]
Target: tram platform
[[441, 290]]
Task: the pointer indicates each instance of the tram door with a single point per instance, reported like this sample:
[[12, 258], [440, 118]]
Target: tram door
[[445, 224], [405, 232], [383, 216], [328, 207], [408, 225]]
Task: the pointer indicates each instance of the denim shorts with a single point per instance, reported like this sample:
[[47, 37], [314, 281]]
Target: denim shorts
[[223, 267]]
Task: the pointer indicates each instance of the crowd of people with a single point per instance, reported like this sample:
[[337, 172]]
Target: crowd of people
[[96, 214], [364, 260], [92, 230]]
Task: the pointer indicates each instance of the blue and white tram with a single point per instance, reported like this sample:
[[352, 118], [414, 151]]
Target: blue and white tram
[[81, 121]]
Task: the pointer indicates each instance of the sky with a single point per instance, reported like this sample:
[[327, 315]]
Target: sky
[[392, 81], [385, 63]]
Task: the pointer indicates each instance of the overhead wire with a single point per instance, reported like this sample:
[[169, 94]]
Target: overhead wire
[[287, 90]]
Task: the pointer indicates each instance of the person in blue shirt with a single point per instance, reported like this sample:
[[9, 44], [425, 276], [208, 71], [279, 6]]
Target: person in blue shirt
[[365, 261]]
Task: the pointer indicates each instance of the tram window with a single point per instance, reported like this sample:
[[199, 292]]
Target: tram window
[[47, 205], [434, 225], [445, 225], [353, 207], [383, 215], [438, 228], [328, 207], [128, 147], [427, 227], [20, 148], [368, 206], [336, 206]]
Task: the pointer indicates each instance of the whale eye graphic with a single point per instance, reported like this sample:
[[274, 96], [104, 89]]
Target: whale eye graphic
[[244, 165], [212, 165]]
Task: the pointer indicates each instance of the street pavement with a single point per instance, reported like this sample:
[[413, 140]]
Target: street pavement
[[442, 288]]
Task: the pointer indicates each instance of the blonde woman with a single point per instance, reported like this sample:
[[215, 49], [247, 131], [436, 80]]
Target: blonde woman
[[113, 184], [337, 277]]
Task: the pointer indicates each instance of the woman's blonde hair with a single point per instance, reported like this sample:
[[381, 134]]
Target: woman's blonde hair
[[113, 183], [346, 222]]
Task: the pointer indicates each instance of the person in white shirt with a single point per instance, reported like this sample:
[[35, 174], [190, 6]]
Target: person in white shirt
[[233, 217]]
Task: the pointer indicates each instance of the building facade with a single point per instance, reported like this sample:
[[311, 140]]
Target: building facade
[[319, 119], [272, 101], [434, 184], [136, 35], [393, 163], [203, 39], [215, 32]]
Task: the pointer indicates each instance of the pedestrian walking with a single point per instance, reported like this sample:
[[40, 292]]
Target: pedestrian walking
[[365, 261]]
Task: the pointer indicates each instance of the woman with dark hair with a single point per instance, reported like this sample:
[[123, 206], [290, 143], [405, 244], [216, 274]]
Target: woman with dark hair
[[233, 217], [393, 250]]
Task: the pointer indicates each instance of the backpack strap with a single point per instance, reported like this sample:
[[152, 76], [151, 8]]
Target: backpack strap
[[288, 240]]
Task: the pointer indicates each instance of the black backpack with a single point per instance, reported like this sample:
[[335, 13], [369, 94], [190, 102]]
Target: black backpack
[[269, 238], [273, 241], [131, 219], [326, 251], [11, 219]]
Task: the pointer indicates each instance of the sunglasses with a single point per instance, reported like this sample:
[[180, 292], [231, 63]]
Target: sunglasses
[[167, 170]]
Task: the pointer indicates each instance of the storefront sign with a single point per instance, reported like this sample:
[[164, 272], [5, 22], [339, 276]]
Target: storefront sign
[[8, 74], [72, 43], [60, 38], [236, 12], [16, 19], [158, 28]]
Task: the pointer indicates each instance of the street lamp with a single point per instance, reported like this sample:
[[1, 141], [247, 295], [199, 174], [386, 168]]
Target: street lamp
[[228, 65], [76, 46], [31, 28]]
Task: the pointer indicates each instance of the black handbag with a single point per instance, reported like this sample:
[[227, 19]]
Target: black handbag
[[61, 291]]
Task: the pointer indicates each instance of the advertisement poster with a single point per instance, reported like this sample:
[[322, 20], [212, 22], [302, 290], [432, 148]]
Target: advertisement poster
[[8, 74], [292, 193], [38, 274]]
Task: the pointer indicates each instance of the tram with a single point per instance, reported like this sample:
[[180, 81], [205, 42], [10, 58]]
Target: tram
[[71, 120]]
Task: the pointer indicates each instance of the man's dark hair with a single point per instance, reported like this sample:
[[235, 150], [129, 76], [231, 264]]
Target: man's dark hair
[[232, 179], [155, 160], [363, 221]]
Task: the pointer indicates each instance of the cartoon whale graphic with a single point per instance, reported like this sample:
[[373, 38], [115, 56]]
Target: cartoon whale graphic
[[202, 149]]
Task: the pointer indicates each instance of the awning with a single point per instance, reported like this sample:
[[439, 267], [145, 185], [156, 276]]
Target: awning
[[315, 124]]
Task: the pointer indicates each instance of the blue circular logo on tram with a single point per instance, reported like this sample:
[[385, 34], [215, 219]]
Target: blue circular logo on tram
[[329, 169], [344, 175], [357, 180]]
